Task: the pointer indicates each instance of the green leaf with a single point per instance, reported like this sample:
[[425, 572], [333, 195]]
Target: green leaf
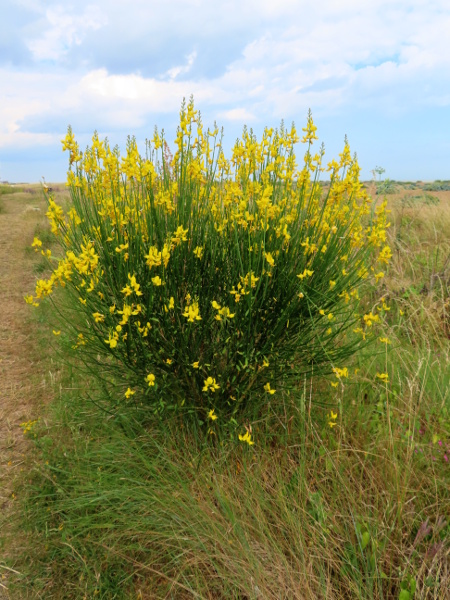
[[404, 595], [365, 539]]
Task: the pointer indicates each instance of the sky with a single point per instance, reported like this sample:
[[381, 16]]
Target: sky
[[377, 71]]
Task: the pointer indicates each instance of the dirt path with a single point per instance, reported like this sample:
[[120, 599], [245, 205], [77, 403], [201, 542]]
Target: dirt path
[[22, 384]]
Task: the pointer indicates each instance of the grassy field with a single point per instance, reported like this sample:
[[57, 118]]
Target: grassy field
[[108, 506]]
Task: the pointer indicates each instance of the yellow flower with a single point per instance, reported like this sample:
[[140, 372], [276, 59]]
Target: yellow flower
[[179, 235], [196, 364], [371, 318], [56, 332], [268, 389], [225, 312], [157, 281], [383, 376], [198, 252], [246, 438], [385, 340], [210, 385], [332, 416], [340, 372], [129, 393], [385, 255], [169, 361], [306, 273], [332, 283], [269, 259], [192, 313], [211, 415], [150, 379]]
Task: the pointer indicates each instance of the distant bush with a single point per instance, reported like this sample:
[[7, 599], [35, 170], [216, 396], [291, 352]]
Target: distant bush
[[208, 285], [386, 187], [437, 186]]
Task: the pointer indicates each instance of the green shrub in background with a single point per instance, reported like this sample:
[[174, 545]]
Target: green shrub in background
[[206, 285]]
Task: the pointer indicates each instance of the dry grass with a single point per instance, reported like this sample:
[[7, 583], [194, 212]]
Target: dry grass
[[22, 381]]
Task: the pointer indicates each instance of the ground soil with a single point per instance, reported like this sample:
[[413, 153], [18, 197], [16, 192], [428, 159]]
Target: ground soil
[[23, 387]]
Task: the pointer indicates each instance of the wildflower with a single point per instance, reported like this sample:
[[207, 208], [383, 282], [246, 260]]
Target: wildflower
[[150, 379], [340, 372], [179, 235], [192, 313], [332, 283], [385, 255], [385, 340], [134, 285], [153, 258], [129, 393], [269, 259], [332, 416], [112, 340], [196, 364], [169, 361], [383, 376], [157, 281], [306, 273], [99, 318], [36, 244], [210, 385], [211, 415], [198, 252], [371, 318], [121, 248], [268, 389], [56, 332], [246, 438]]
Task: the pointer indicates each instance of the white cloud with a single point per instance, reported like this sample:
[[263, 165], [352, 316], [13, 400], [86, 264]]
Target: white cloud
[[64, 30], [242, 115], [182, 69], [335, 56]]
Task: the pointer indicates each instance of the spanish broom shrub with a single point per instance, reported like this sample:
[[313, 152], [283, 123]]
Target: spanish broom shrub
[[206, 284]]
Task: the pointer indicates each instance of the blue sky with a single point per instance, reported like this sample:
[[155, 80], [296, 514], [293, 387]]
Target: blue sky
[[378, 72]]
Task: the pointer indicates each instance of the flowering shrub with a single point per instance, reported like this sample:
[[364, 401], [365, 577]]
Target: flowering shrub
[[211, 284]]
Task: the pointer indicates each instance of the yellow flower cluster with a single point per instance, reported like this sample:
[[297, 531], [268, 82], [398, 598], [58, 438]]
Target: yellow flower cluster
[[155, 248]]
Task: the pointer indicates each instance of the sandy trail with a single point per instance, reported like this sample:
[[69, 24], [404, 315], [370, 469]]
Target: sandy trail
[[22, 386]]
